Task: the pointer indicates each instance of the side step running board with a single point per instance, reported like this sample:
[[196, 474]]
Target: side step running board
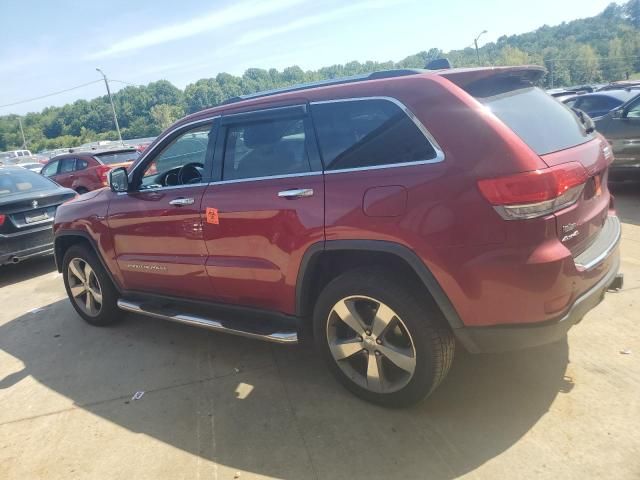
[[286, 337]]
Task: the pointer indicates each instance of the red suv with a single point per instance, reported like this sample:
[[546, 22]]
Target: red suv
[[392, 213], [86, 171]]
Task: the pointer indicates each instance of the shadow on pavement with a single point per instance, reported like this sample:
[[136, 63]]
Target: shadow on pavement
[[15, 273], [274, 410]]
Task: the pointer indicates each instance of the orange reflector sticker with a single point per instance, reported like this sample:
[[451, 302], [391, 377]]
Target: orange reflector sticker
[[212, 216]]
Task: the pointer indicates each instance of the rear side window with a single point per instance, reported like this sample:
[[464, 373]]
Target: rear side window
[[597, 103], [81, 164], [368, 133], [266, 148], [542, 122], [67, 165]]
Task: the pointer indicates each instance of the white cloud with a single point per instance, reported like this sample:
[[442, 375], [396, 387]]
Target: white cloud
[[236, 13], [315, 19]]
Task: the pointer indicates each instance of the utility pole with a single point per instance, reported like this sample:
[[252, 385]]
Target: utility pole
[[475, 42], [24, 140], [113, 108]]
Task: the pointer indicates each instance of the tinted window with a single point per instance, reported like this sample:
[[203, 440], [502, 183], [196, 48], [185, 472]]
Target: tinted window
[[118, 157], [189, 147], [21, 181], [543, 123], [597, 104], [366, 133], [67, 165], [261, 149], [81, 164], [50, 169]]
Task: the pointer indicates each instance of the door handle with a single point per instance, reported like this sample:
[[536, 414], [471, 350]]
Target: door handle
[[296, 193], [180, 202]]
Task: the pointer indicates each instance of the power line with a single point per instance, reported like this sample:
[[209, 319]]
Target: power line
[[50, 94], [126, 83]]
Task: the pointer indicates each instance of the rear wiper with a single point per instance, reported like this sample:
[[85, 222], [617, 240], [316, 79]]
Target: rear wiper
[[586, 120]]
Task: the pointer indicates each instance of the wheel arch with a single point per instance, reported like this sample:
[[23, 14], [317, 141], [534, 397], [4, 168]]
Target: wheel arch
[[66, 239], [311, 278]]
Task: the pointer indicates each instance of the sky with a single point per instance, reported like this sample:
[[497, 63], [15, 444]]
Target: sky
[[48, 46]]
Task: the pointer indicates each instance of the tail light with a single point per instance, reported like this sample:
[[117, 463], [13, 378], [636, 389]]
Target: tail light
[[537, 193], [2, 219], [103, 171]]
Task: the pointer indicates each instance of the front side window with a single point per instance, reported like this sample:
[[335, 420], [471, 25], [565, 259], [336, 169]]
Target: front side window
[[51, 169], [265, 148], [181, 162], [367, 133]]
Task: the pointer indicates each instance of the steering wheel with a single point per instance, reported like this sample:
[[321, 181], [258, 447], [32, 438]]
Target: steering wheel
[[189, 173]]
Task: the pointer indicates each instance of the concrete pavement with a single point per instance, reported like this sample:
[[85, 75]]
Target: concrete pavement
[[223, 407]]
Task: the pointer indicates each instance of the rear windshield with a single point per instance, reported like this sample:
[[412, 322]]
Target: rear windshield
[[544, 123], [118, 157], [22, 181]]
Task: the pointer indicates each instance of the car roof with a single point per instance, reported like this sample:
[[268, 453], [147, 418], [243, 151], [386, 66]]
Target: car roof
[[459, 76], [92, 153]]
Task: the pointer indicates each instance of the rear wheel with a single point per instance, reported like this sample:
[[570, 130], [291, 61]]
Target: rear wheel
[[380, 340], [88, 286]]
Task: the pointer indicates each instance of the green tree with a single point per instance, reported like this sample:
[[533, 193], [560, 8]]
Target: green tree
[[165, 115]]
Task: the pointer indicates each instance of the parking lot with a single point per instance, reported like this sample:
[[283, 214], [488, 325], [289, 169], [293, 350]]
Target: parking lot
[[217, 406]]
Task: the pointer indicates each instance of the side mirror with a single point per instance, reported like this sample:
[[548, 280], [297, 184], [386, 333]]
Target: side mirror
[[617, 113], [118, 180]]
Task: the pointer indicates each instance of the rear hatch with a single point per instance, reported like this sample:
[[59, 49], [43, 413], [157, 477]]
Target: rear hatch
[[577, 157]]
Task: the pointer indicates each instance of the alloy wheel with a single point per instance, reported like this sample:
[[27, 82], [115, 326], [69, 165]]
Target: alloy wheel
[[371, 344], [84, 287]]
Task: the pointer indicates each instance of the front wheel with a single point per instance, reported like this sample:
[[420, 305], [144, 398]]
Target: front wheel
[[380, 340], [89, 287]]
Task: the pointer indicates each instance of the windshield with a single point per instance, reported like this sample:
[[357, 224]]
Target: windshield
[[544, 124], [21, 181], [118, 157]]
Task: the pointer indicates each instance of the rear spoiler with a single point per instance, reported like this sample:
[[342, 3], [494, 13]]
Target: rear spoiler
[[470, 78]]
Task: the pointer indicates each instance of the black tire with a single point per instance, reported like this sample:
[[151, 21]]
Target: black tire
[[109, 312], [433, 341]]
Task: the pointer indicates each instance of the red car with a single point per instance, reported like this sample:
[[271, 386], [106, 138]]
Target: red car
[[86, 171], [385, 215]]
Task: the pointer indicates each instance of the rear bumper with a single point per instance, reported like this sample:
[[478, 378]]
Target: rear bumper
[[20, 246], [507, 337], [517, 337]]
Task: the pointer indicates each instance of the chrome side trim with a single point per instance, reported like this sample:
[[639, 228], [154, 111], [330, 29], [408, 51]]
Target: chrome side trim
[[595, 261], [166, 134], [439, 152], [273, 177], [290, 338], [385, 166], [164, 189]]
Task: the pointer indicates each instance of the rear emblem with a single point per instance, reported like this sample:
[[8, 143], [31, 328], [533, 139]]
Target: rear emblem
[[34, 204], [569, 227], [566, 238]]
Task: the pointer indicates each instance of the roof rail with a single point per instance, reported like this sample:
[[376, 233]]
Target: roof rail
[[324, 83]]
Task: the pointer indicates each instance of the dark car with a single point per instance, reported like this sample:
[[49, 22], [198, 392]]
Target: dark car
[[84, 171], [598, 104], [621, 127], [28, 204], [385, 216]]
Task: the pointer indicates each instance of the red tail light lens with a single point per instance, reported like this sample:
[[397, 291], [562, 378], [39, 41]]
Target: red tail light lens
[[537, 193], [103, 171], [2, 219]]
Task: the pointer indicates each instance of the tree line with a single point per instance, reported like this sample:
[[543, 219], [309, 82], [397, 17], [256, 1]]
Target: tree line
[[591, 50]]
